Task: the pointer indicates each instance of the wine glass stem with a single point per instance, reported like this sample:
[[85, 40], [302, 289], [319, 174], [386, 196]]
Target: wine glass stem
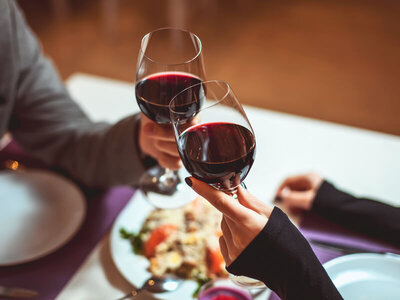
[[234, 191], [169, 172], [169, 178], [168, 175]]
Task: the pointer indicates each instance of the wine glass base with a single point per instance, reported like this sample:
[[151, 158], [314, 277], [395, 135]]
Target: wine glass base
[[165, 191], [247, 282]]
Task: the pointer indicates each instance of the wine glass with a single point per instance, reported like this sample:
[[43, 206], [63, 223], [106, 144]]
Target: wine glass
[[169, 61], [216, 141]]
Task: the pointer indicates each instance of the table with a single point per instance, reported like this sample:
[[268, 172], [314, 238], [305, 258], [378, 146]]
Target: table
[[359, 161]]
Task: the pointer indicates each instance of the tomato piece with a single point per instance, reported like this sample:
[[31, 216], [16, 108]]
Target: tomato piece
[[157, 236], [214, 260]]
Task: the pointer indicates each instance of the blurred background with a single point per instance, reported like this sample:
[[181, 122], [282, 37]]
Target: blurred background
[[331, 60]]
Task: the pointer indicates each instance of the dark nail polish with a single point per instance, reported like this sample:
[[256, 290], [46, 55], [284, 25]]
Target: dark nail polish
[[188, 181]]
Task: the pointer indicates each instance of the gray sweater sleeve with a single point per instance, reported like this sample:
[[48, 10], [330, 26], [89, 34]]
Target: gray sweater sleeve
[[49, 125]]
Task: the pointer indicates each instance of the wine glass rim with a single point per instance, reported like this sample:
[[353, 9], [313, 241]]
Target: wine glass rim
[[229, 89], [177, 29]]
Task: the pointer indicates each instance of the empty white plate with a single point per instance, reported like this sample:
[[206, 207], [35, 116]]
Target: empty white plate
[[366, 276], [39, 212]]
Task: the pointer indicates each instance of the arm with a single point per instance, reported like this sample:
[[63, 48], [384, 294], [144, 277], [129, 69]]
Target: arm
[[367, 216], [265, 245], [311, 192], [49, 124], [282, 258]]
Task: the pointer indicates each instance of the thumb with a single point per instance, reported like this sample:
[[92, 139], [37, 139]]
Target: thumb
[[221, 201], [297, 199], [158, 132], [251, 202]]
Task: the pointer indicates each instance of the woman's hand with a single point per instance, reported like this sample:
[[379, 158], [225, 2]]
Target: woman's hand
[[158, 141], [243, 218], [298, 192]]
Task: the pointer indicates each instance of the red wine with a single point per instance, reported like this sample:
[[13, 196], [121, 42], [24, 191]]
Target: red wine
[[220, 154], [154, 93]]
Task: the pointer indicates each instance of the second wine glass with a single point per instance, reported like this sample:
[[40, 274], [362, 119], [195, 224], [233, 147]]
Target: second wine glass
[[217, 144], [169, 61]]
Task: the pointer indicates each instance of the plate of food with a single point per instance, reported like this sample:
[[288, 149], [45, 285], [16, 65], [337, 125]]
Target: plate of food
[[182, 242]]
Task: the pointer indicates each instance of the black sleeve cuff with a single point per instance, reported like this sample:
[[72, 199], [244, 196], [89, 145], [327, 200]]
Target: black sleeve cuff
[[369, 217], [283, 259], [263, 240], [328, 197]]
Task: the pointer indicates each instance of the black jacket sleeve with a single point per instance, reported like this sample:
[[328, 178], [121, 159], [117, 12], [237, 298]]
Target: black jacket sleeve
[[367, 216], [283, 259]]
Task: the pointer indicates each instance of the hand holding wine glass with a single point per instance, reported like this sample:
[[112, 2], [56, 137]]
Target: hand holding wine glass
[[217, 149], [243, 218], [159, 142]]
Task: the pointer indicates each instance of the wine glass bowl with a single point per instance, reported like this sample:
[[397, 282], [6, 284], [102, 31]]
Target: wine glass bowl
[[216, 143], [169, 61]]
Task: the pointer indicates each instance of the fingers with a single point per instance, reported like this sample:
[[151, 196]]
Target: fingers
[[168, 161], [234, 236], [159, 142], [159, 132], [221, 201], [299, 182], [167, 147], [226, 232], [238, 236], [298, 199], [251, 202], [224, 250], [230, 242], [299, 191]]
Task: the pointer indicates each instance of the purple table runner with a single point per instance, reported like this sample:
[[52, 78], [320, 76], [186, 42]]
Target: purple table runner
[[51, 273], [317, 228]]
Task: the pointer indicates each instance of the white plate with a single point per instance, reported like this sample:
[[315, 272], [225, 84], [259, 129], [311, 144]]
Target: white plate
[[366, 276], [39, 212], [134, 267]]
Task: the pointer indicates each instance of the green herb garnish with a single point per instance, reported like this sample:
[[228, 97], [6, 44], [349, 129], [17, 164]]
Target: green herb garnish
[[200, 283], [135, 240]]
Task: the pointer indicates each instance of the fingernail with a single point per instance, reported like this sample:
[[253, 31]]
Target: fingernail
[[285, 192], [188, 181]]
